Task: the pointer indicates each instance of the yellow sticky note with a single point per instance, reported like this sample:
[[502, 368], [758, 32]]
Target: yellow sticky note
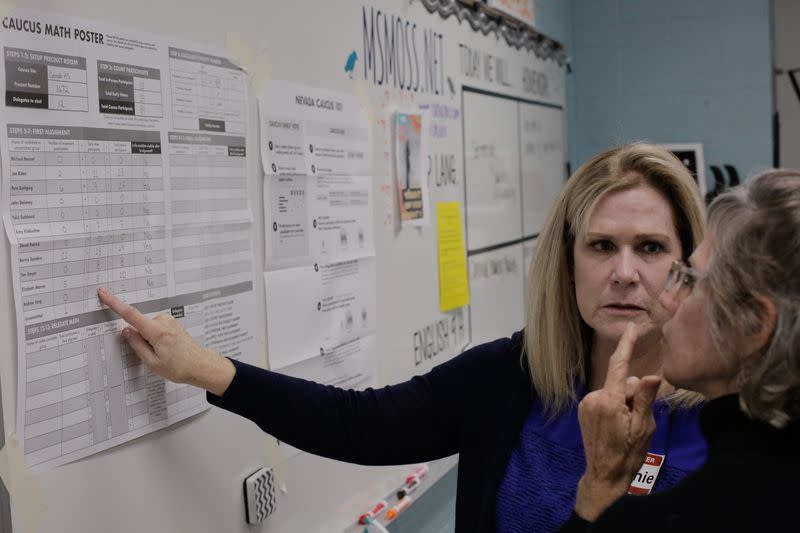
[[453, 282]]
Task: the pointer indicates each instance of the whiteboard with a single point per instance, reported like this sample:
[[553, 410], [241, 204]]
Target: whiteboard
[[473, 87], [491, 152]]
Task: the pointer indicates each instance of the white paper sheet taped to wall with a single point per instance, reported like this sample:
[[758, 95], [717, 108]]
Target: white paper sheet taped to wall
[[124, 166], [319, 237]]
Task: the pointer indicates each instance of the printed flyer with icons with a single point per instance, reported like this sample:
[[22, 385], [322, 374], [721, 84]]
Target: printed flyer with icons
[[319, 278]]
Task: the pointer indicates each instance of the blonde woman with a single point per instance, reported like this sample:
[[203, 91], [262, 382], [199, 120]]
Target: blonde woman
[[507, 407], [733, 337]]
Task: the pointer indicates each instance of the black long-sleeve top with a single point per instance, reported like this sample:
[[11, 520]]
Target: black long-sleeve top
[[749, 482], [475, 405]]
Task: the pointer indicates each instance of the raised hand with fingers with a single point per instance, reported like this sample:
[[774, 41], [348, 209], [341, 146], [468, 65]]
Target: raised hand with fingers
[[616, 425], [168, 350]]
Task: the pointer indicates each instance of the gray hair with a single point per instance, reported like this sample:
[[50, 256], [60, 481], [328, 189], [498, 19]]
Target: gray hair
[[756, 251]]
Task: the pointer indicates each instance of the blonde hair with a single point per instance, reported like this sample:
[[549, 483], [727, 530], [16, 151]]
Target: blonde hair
[[756, 252], [557, 340]]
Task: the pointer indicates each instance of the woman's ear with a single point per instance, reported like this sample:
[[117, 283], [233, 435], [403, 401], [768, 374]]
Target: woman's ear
[[755, 342]]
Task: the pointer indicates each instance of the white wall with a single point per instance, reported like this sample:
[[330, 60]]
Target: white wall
[[786, 21]]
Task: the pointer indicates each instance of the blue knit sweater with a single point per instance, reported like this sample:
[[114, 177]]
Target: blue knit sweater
[[550, 454]]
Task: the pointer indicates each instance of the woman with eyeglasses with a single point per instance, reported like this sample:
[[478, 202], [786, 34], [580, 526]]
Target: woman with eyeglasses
[[507, 407], [734, 337]]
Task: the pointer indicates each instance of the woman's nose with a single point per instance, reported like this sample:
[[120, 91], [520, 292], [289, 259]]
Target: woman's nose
[[625, 268]]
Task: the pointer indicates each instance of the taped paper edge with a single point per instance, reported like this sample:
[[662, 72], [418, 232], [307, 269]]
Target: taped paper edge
[[6, 7], [362, 95], [257, 65], [274, 458], [27, 502], [263, 356]]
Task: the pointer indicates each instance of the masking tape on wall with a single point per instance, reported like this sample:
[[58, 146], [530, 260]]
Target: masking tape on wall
[[256, 64], [362, 94], [263, 356], [274, 458], [26, 496], [382, 379], [6, 7]]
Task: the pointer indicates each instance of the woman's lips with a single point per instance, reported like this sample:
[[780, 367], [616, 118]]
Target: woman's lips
[[623, 309]]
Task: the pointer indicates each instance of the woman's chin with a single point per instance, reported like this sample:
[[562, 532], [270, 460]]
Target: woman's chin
[[613, 330]]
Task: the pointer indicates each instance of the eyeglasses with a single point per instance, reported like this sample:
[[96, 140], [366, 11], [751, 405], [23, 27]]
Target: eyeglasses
[[681, 280]]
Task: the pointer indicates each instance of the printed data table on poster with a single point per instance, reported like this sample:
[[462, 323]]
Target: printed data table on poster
[[102, 187], [129, 90], [87, 210], [208, 92], [93, 199], [44, 80], [208, 175]]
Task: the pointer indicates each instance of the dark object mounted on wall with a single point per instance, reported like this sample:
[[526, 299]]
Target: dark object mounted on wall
[[733, 175], [792, 74], [720, 183], [793, 77]]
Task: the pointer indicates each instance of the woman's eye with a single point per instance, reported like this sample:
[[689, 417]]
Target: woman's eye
[[652, 247], [602, 245]]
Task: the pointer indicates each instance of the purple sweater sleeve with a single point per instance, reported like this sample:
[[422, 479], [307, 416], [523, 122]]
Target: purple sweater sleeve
[[419, 420]]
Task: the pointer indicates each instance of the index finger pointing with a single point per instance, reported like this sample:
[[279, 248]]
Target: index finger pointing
[[617, 371], [130, 314]]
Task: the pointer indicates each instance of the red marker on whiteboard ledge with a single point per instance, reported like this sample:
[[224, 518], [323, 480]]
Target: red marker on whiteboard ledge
[[419, 473], [398, 508], [367, 517]]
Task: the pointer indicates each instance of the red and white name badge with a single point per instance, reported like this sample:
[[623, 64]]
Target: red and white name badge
[[646, 477]]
